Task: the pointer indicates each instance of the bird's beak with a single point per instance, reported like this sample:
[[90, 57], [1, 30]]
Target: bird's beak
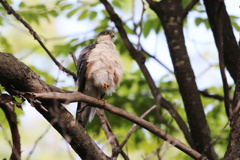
[[112, 34]]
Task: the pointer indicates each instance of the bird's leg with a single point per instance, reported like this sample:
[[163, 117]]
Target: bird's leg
[[104, 101], [105, 86]]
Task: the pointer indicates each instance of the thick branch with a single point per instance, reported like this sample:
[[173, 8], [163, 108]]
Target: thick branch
[[230, 47], [233, 145], [16, 75], [221, 62], [77, 96], [62, 120], [8, 110], [140, 59], [169, 12]]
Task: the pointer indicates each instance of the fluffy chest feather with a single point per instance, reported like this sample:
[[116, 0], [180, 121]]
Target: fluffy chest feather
[[104, 66]]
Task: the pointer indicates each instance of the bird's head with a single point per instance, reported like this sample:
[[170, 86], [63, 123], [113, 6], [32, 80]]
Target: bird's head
[[106, 35]]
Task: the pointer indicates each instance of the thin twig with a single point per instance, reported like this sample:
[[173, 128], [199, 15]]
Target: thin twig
[[164, 66], [36, 142], [189, 7], [110, 135], [214, 96], [74, 58], [6, 135], [222, 64], [77, 96], [140, 59], [134, 127], [10, 10], [141, 25], [155, 152]]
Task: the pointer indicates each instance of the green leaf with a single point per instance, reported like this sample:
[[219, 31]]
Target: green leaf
[[233, 18], [49, 79], [146, 28], [83, 15], [116, 3], [157, 25], [206, 22], [66, 6], [72, 12], [185, 3], [93, 15], [198, 21], [1, 88], [18, 100], [9, 2], [236, 26], [128, 30], [105, 13], [4, 45], [54, 13], [22, 5], [1, 21]]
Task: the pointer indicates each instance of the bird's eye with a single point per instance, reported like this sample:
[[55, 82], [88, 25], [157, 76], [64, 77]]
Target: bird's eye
[[105, 33]]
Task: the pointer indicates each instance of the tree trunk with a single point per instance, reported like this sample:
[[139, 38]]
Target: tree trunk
[[169, 12], [214, 9]]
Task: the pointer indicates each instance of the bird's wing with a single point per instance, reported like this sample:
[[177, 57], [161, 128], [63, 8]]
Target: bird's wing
[[82, 66], [83, 111]]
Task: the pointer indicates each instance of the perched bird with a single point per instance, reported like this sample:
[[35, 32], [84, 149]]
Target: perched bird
[[99, 72]]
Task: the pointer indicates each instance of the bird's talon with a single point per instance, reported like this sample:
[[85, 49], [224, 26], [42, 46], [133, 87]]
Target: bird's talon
[[104, 101], [105, 86]]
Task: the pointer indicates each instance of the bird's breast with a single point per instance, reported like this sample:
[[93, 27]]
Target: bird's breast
[[104, 67]]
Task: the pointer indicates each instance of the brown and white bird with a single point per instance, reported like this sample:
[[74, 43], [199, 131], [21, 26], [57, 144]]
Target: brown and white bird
[[99, 72]]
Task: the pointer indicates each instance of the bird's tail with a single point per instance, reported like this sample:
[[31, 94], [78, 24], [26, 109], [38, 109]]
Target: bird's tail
[[84, 113]]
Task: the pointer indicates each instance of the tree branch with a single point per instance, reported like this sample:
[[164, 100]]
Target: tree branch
[[10, 10], [221, 61], [214, 96], [36, 142], [134, 127], [11, 116], [230, 47], [140, 59], [77, 96], [188, 8], [110, 135], [233, 145], [61, 119], [16, 75]]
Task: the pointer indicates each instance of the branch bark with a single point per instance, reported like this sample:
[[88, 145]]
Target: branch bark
[[231, 54], [12, 70], [233, 145], [11, 116], [77, 96], [116, 149], [14, 75], [230, 47], [221, 62], [170, 14], [140, 59], [188, 8], [10, 10]]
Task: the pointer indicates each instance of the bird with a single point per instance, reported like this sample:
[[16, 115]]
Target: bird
[[99, 72]]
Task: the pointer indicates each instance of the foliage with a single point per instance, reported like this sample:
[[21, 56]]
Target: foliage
[[134, 94]]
